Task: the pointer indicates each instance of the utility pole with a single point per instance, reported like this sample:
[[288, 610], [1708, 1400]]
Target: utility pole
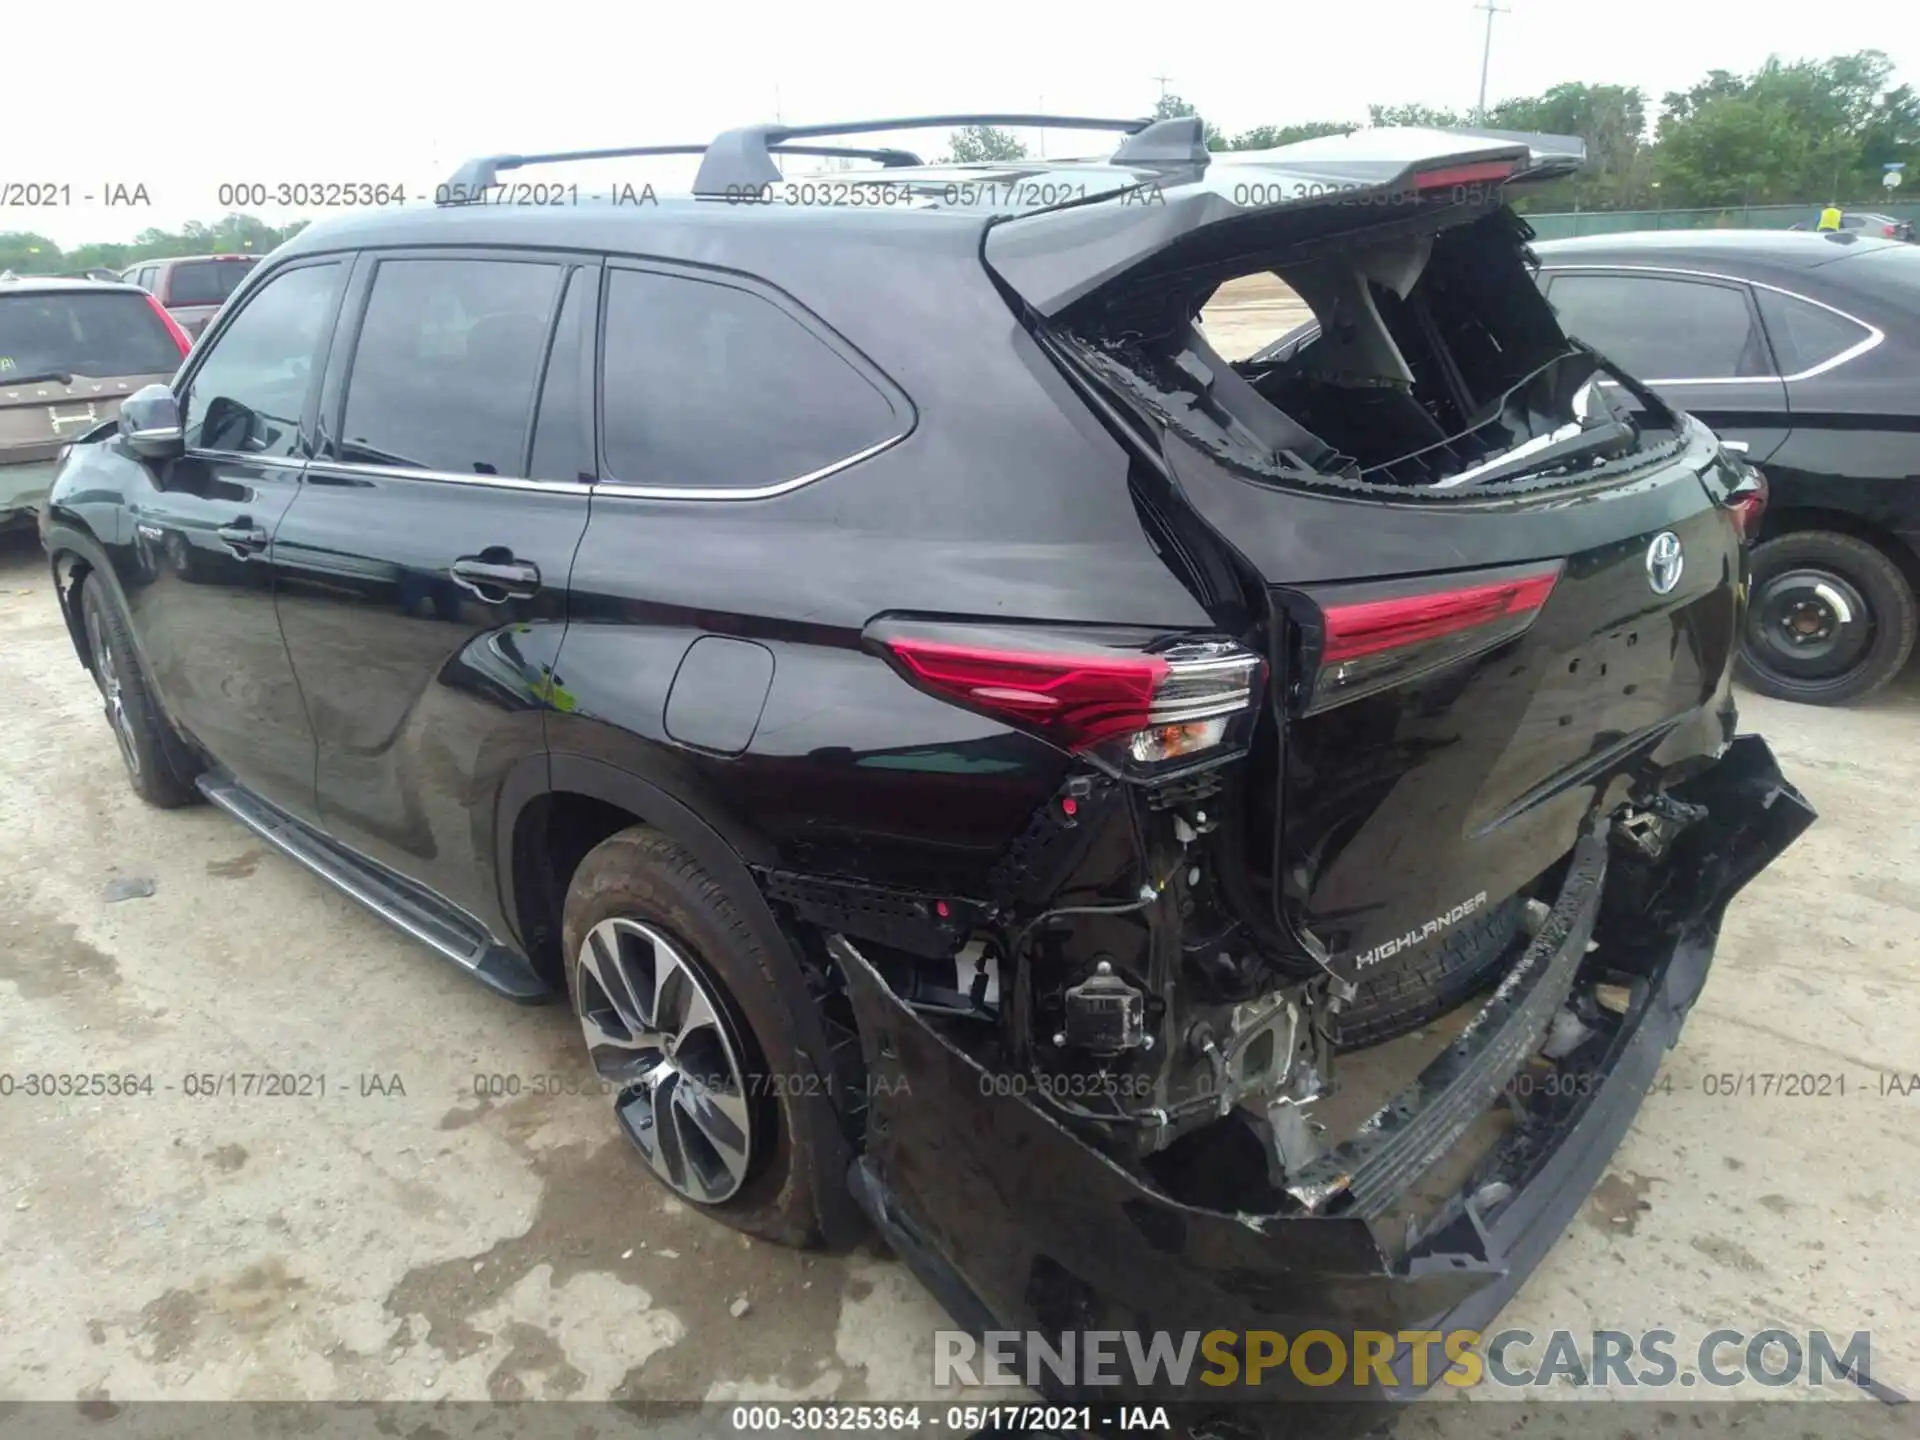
[[1163, 79], [1486, 53]]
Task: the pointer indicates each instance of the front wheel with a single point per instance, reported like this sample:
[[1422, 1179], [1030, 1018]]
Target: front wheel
[[1830, 618], [159, 767]]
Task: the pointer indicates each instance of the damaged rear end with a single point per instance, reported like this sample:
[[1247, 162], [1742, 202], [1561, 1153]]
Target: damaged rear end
[[1322, 989]]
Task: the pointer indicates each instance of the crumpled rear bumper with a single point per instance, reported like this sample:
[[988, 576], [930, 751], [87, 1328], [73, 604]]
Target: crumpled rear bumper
[[1018, 1224]]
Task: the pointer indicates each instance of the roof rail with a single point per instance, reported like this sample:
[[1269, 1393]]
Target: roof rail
[[739, 159], [479, 175], [742, 158]]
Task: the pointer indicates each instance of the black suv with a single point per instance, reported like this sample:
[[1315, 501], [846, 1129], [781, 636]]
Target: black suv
[[972, 757]]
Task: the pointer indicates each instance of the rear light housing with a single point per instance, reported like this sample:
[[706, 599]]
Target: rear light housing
[[1373, 637], [1747, 503], [173, 326], [1130, 702], [1457, 177]]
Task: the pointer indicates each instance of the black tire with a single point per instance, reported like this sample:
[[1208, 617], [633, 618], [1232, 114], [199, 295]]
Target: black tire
[[159, 765], [1429, 982], [640, 875], [1830, 618]]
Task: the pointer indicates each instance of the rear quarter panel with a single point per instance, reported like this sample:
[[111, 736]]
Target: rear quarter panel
[[1006, 501]]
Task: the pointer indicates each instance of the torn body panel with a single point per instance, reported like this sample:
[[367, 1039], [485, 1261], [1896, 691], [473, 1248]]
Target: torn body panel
[[1023, 1220]]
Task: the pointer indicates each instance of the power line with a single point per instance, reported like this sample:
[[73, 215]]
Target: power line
[[1486, 53]]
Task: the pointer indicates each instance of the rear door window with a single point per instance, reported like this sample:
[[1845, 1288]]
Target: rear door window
[[206, 282], [84, 332], [443, 374], [247, 396], [1661, 328], [1806, 335], [709, 387]]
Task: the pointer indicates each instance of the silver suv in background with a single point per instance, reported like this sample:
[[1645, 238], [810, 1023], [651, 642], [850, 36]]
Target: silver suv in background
[[191, 287]]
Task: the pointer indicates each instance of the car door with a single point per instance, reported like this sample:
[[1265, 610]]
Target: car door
[[1695, 338], [200, 570], [426, 563]]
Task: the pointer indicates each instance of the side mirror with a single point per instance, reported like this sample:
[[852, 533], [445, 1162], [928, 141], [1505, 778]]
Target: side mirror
[[150, 423]]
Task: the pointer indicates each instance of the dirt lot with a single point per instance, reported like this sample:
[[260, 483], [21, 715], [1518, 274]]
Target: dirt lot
[[1247, 313], [401, 1236]]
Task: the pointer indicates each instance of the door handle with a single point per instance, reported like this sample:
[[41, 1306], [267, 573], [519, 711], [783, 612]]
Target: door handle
[[243, 536], [496, 580]]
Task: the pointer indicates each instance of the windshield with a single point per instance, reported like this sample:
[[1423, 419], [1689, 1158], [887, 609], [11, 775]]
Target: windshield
[[206, 282], [99, 333]]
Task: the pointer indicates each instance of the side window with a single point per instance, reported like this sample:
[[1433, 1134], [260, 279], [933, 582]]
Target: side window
[[1659, 328], [558, 428], [1805, 335], [248, 393], [706, 386], [443, 373]]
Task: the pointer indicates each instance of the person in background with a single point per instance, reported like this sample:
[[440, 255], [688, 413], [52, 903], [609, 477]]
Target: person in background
[[1830, 218]]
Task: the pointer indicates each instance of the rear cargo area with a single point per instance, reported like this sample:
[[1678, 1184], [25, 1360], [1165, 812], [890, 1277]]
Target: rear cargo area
[[1431, 361]]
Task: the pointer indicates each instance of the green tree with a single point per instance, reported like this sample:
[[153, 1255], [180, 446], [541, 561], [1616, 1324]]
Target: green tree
[[1805, 130], [1419, 115], [1610, 119], [1269, 137], [26, 253], [983, 144]]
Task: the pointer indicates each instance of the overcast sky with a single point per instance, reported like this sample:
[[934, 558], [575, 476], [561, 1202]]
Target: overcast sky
[[196, 93]]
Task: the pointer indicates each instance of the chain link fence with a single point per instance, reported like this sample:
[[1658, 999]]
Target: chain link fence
[[1558, 225]]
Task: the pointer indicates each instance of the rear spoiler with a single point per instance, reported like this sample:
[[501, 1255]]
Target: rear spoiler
[[1242, 201]]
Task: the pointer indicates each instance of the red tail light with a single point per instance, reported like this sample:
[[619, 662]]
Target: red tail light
[[1889, 231], [173, 326], [1485, 172], [1748, 504], [1186, 701], [1074, 700], [1374, 641]]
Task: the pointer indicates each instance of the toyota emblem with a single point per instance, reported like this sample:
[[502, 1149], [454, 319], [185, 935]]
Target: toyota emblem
[[1664, 562]]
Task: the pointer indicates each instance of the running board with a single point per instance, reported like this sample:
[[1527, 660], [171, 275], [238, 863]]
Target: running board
[[406, 906]]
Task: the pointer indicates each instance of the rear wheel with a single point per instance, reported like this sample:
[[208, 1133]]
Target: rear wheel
[[1830, 618], [159, 766], [676, 1002]]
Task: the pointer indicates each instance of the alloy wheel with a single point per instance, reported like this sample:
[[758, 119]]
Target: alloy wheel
[[659, 1034], [108, 678]]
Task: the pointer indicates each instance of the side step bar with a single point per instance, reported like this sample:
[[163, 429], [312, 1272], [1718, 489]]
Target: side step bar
[[406, 906]]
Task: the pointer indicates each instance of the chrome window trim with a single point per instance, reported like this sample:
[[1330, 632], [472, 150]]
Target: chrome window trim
[[1873, 337], [629, 491], [613, 488], [449, 477], [243, 457]]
